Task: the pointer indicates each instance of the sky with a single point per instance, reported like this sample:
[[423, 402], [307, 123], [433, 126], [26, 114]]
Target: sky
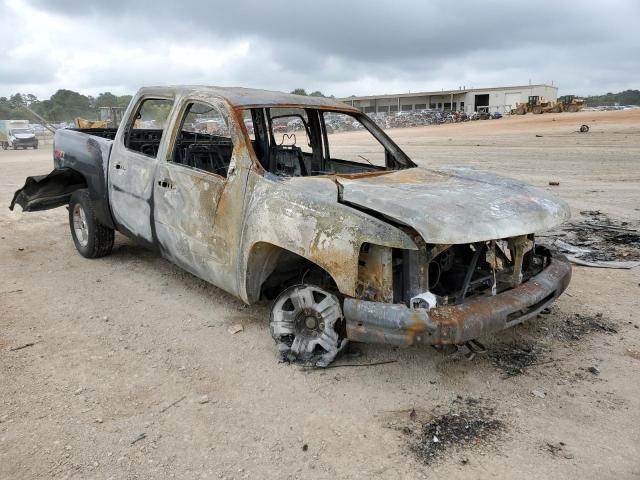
[[342, 48]]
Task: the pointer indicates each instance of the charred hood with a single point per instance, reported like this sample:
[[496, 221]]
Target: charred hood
[[455, 205]]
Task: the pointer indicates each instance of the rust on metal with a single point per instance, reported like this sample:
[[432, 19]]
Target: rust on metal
[[454, 324]]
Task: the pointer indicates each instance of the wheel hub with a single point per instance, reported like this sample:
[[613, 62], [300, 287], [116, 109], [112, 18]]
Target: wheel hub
[[311, 322], [80, 225]]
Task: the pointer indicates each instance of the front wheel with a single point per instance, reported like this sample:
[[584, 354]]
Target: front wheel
[[91, 238], [305, 323]]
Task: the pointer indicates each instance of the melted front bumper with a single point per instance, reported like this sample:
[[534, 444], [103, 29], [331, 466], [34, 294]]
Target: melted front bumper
[[397, 324]]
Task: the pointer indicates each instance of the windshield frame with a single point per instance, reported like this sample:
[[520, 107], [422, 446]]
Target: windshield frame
[[402, 159], [316, 129]]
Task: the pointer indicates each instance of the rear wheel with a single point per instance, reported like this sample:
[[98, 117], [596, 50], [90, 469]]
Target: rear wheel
[[91, 238]]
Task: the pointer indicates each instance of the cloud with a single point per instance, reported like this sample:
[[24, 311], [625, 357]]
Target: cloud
[[338, 47]]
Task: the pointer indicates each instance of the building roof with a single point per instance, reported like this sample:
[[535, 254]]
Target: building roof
[[441, 92], [251, 97]]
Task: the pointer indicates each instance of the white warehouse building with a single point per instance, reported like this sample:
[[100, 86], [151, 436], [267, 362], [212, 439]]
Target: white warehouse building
[[498, 99]]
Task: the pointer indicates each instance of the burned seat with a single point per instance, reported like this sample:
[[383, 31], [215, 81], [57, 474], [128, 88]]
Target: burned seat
[[287, 160], [206, 157]]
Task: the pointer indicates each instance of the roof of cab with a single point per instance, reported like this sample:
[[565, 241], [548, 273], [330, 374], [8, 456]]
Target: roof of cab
[[252, 97]]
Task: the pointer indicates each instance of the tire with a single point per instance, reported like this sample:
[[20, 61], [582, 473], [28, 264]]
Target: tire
[[5, 145], [91, 238]]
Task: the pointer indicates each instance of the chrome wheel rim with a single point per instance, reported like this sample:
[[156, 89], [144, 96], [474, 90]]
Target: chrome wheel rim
[[303, 324], [80, 225]]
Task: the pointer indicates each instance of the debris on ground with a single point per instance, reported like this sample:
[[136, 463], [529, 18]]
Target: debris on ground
[[538, 393], [173, 404], [24, 345], [514, 359], [558, 450], [203, 399], [633, 354], [584, 128], [139, 437], [19, 290], [594, 370], [577, 326], [233, 329], [312, 366], [554, 184], [595, 240], [468, 423]]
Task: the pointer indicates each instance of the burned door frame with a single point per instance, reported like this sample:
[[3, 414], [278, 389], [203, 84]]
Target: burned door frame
[[131, 177], [189, 203]]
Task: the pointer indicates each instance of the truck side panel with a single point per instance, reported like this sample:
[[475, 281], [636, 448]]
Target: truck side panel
[[88, 155]]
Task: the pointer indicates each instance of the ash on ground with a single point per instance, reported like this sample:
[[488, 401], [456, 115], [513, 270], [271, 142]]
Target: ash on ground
[[468, 423], [577, 326], [514, 359], [595, 237]]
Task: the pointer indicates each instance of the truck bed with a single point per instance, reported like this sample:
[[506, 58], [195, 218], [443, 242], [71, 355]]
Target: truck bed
[[108, 133]]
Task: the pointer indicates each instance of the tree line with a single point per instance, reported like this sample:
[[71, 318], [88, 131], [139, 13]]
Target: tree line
[[63, 106], [627, 97], [66, 105]]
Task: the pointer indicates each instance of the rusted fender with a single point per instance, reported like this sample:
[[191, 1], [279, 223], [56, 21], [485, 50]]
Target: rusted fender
[[302, 215], [396, 324]]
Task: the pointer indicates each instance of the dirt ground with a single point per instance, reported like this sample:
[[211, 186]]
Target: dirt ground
[[134, 373]]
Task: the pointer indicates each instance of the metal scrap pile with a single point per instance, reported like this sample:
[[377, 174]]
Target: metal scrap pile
[[419, 118], [337, 122]]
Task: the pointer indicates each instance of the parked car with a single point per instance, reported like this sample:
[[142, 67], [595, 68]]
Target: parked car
[[350, 242], [17, 134]]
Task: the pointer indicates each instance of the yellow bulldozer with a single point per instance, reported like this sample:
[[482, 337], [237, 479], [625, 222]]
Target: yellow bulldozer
[[110, 117], [570, 103], [537, 104]]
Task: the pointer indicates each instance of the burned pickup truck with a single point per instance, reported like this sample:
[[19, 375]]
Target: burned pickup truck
[[263, 195]]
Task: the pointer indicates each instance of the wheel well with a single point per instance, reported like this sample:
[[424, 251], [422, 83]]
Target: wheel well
[[271, 269]]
